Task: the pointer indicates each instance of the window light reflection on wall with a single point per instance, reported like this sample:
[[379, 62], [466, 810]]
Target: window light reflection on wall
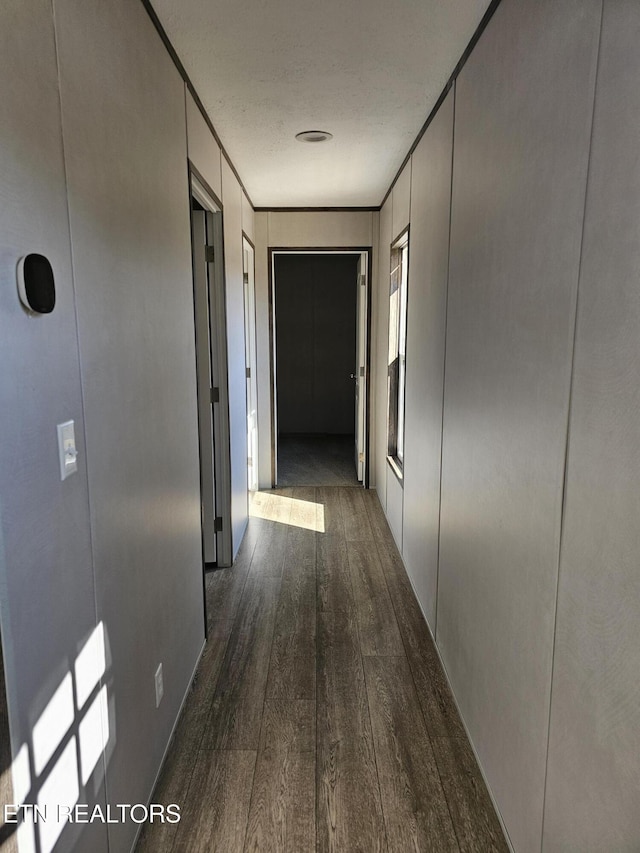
[[67, 743]]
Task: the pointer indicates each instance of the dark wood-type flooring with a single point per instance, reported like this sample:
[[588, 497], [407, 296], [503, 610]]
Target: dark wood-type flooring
[[316, 460], [320, 718]]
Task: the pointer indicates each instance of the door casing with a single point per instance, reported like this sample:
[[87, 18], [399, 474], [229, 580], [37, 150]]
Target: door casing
[[315, 250], [211, 373]]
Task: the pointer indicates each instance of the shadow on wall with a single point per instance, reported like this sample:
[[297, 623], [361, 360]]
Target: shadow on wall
[[63, 759]]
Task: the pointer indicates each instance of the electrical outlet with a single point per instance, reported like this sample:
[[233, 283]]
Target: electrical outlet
[[159, 685]]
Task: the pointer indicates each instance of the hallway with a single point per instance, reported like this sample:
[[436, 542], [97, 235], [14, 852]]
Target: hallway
[[320, 718]]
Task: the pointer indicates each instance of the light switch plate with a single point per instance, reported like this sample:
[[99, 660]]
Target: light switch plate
[[67, 452]]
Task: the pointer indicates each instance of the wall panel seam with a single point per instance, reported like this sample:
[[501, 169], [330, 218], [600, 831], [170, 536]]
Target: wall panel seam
[[90, 508], [444, 355], [568, 426]]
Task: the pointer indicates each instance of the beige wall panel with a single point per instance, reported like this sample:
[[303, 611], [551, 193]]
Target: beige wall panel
[[594, 762], [522, 125], [125, 146], [401, 201], [427, 308], [380, 355], [232, 220], [204, 151], [47, 595], [248, 219], [321, 229]]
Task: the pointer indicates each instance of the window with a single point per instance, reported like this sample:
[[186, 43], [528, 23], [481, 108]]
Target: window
[[397, 348]]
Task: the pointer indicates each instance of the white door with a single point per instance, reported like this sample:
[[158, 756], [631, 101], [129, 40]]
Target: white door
[[212, 375], [204, 326], [250, 362], [361, 365]]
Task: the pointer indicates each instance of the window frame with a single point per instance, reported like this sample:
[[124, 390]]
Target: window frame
[[397, 350]]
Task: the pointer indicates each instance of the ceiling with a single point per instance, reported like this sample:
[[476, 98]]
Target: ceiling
[[368, 71]]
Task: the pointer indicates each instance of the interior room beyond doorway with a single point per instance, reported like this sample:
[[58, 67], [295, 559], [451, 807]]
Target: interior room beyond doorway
[[316, 312]]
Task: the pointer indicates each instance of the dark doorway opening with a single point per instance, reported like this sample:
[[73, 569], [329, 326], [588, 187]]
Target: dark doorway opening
[[316, 313]]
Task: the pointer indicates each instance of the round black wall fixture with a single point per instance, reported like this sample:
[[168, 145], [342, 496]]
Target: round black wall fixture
[[36, 284]]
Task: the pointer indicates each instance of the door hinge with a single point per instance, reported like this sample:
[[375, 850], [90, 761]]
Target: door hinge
[[217, 523], [362, 371], [360, 457], [215, 395], [248, 373], [245, 277], [210, 254], [249, 460], [363, 279]]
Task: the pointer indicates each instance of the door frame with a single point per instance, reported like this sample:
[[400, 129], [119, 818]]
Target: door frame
[[318, 250], [207, 198]]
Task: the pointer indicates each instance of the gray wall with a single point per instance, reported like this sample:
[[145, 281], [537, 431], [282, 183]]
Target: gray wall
[[523, 112], [125, 147], [426, 317], [315, 306], [118, 543], [47, 594], [533, 599], [594, 761], [96, 126]]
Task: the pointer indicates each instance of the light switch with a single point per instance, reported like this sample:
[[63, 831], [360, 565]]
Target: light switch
[[67, 449]]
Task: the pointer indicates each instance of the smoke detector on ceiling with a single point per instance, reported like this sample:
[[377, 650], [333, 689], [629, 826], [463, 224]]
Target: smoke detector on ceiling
[[314, 136]]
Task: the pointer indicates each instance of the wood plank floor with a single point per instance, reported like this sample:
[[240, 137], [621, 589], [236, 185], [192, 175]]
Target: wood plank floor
[[320, 718], [316, 460]]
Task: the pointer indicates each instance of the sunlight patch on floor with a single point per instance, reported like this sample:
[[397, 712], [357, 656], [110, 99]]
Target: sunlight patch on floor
[[292, 511]]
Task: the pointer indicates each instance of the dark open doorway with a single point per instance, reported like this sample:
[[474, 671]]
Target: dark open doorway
[[320, 366]]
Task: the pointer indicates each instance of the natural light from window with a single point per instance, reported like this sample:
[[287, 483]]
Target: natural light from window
[[67, 743], [397, 349]]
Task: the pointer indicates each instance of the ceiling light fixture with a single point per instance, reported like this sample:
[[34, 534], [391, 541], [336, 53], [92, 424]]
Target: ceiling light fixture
[[314, 136]]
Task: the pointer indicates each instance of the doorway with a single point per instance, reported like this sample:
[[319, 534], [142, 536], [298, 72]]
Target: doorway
[[319, 349], [211, 373]]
